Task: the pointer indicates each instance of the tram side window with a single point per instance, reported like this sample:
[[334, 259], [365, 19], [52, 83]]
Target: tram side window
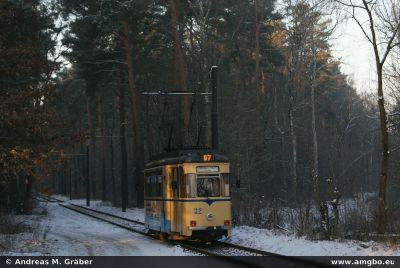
[[225, 184], [146, 186], [159, 186], [188, 186], [177, 177], [153, 187], [174, 183]]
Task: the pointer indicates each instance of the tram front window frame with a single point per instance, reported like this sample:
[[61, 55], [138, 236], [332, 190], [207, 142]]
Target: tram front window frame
[[208, 185], [201, 184]]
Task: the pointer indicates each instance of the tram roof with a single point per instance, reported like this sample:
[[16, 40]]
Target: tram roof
[[180, 156]]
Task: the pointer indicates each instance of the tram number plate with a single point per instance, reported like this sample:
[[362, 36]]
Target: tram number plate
[[197, 210]]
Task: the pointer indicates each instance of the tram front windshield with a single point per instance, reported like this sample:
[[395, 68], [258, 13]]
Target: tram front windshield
[[208, 186]]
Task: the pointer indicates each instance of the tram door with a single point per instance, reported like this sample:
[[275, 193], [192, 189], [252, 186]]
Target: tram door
[[177, 173]]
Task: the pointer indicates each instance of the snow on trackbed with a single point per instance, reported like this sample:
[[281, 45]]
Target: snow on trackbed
[[76, 234], [276, 242], [67, 233]]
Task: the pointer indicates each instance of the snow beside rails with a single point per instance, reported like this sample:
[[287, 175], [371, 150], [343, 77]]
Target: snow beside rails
[[136, 214], [268, 240], [26, 238], [64, 232], [290, 245]]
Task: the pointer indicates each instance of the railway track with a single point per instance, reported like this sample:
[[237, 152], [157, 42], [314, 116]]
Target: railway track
[[127, 224], [213, 249], [219, 249], [44, 198]]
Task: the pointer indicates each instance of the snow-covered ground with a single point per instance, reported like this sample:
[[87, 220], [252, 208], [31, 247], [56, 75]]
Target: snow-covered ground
[[293, 246], [131, 213], [64, 232], [273, 241]]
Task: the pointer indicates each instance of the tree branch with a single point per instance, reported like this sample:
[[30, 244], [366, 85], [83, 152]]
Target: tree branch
[[389, 45]]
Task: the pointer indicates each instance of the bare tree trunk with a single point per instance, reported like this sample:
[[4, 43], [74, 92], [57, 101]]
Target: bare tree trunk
[[124, 168], [91, 145], [390, 29], [180, 81], [293, 164], [259, 77], [282, 139], [77, 171], [135, 102], [103, 148], [315, 176], [28, 206], [290, 87], [385, 156], [383, 120], [112, 171], [83, 168]]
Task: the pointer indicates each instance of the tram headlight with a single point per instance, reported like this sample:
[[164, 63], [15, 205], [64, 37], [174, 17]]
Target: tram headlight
[[227, 222], [192, 223]]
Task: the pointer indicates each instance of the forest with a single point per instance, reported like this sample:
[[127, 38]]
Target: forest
[[85, 103]]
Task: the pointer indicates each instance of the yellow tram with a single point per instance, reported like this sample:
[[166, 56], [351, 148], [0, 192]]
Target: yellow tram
[[187, 195]]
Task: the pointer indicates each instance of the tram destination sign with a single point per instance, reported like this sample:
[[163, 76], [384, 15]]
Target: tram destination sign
[[207, 169]]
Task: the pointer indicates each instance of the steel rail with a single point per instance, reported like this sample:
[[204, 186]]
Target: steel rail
[[252, 250], [184, 244], [47, 197], [94, 210], [128, 228], [226, 244], [108, 214], [176, 243], [81, 210], [105, 220]]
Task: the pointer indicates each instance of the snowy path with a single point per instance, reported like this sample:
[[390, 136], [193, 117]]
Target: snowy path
[[66, 233]]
